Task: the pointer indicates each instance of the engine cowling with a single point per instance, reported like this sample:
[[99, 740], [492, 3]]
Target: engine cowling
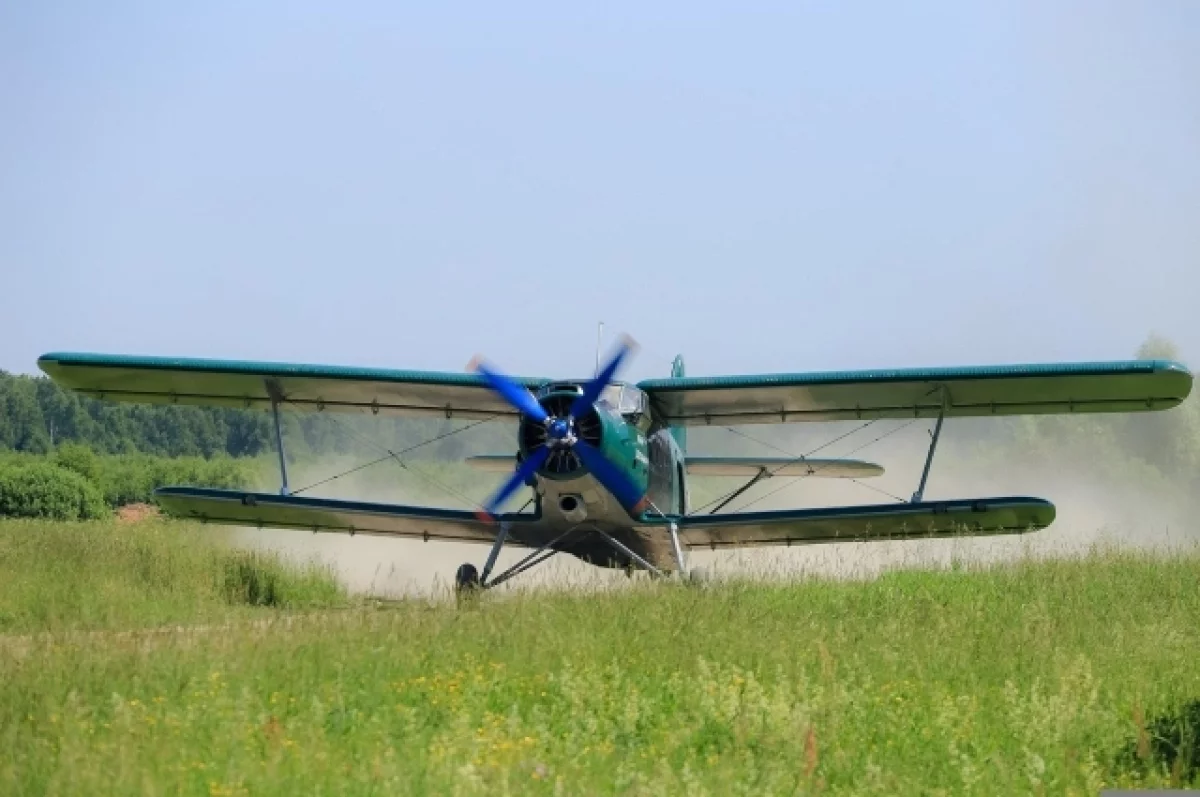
[[562, 462]]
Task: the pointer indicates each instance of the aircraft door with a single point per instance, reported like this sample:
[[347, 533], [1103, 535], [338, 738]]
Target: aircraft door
[[662, 488]]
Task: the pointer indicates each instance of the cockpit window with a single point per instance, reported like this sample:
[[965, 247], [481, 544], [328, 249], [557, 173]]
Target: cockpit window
[[630, 402], [625, 399], [633, 401], [611, 395]]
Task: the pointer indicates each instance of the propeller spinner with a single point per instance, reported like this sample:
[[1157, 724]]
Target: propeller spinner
[[561, 434]]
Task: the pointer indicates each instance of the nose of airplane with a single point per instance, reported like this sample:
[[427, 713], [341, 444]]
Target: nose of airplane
[[559, 428]]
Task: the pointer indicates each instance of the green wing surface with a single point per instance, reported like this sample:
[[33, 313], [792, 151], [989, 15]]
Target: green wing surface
[[751, 466], [264, 510], [980, 516], [235, 383], [1124, 386]]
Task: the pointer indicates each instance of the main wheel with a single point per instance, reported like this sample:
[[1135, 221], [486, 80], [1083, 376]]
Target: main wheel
[[466, 578]]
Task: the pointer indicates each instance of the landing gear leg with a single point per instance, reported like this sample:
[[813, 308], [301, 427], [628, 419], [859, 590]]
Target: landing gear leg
[[468, 576], [677, 549], [630, 556]]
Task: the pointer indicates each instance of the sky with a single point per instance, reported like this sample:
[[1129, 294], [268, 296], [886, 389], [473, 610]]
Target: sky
[[766, 187]]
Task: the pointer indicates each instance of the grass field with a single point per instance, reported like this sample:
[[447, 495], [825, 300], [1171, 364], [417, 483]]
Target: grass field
[[1032, 678]]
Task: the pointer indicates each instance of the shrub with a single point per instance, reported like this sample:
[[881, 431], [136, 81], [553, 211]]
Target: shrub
[[78, 458], [133, 478], [39, 489]]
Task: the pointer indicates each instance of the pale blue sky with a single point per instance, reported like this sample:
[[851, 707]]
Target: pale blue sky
[[763, 187]]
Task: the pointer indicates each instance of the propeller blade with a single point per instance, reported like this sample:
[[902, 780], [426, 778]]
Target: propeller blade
[[519, 477], [592, 390], [613, 478], [513, 393]]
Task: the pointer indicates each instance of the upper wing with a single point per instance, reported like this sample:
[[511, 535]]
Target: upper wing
[[863, 523], [322, 514], [234, 383], [1128, 386], [750, 466]]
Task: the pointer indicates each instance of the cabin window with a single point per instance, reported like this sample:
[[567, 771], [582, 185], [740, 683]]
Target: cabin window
[[611, 395], [633, 401], [635, 407], [630, 402]]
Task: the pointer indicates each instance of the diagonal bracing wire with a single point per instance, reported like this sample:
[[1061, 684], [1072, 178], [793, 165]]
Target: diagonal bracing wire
[[848, 453], [814, 471], [396, 456], [880, 490], [794, 460]]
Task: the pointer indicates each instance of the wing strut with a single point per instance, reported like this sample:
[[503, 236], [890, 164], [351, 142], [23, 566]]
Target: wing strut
[[276, 395], [763, 473], [937, 431]]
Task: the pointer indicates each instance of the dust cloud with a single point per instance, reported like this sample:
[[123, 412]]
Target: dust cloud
[[1094, 508], [392, 568]]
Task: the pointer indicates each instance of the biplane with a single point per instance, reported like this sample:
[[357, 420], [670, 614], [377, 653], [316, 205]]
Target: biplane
[[607, 460]]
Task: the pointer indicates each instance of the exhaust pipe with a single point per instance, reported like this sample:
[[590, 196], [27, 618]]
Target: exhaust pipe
[[573, 508]]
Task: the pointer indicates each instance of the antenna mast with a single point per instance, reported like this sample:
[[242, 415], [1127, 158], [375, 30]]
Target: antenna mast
[[599, 334]]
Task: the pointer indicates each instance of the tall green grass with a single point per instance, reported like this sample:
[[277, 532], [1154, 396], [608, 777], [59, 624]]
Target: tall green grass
[[108, 575], [1047, 677]]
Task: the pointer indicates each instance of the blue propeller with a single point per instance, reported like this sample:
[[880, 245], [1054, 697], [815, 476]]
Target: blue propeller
[[560, 433], [513, 393]]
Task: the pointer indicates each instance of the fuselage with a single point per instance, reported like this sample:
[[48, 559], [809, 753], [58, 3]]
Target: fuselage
[[623, 425]]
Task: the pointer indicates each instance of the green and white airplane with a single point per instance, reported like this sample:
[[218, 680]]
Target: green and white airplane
[[607, 460]]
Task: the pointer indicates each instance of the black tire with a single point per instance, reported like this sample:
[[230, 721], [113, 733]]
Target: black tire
[[466, 579]]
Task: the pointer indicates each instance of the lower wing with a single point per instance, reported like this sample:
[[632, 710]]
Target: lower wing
[[979, 516], [264, 510]]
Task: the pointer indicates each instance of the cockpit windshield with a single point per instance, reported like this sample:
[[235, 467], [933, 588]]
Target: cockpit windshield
[[611, 395], [628, 401]]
